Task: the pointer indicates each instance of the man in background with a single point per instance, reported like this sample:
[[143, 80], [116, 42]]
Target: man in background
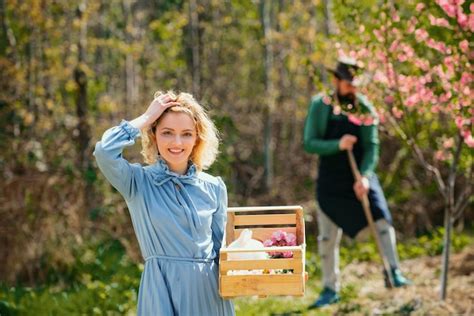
[[329, 132]]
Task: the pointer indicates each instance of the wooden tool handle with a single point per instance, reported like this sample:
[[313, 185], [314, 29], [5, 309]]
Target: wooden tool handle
[[368, 214]]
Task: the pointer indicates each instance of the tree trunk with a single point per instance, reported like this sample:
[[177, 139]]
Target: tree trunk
[[3, 36], [446, 252], [80, 77], [195, 48], [83, 137], [329, 27], [448, 217], [266, 11], [131, 92]]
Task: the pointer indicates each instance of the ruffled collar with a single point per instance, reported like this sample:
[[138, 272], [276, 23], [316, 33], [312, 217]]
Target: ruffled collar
[[162, 173]]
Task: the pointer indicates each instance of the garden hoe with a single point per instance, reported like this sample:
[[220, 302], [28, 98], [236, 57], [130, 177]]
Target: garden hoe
[[370, 220]]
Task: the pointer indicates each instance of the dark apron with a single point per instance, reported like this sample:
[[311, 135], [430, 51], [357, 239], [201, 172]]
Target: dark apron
[[334, 188]]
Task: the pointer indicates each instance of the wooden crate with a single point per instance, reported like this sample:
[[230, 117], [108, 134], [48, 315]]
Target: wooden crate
[[263, 221]]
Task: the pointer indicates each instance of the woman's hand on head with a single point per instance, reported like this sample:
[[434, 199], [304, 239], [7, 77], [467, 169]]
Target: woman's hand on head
[[155, 110], [159, 105]]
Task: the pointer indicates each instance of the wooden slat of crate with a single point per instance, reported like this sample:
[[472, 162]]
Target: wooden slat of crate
[[296, 249], [269, 219], [230, 234], [243, 285], [264, 208], [269, 284], [296, 263], [263, 234], [300, 233], [280, 263]]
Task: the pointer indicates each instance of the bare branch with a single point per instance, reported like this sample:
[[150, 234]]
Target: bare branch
[[419, 155], [464, 198]]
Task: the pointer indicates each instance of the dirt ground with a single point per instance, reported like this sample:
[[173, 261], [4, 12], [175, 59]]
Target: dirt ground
[[420, 299]]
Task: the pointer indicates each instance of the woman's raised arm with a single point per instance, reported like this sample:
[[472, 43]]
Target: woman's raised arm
[[108, 151]]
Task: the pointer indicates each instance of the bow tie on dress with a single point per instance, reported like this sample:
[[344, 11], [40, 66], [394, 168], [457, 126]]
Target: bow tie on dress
[[162, 174]]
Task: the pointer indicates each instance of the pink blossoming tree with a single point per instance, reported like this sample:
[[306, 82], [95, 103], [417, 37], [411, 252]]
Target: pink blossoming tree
[[420, 65]]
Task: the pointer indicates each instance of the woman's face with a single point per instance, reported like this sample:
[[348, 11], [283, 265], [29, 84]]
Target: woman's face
[[175, 137]]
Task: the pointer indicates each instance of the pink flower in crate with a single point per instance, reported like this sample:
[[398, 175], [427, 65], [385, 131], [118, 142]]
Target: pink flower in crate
[[268, 243], [291, 239], [281, 238], [287, 254], [278, 236]]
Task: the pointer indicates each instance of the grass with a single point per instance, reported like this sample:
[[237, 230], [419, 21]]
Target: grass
[[103, 281], [294, 305]]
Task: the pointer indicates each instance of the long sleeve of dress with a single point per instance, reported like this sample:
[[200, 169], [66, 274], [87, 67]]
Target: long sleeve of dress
[[108, 154], [313, 143], [219, 219]]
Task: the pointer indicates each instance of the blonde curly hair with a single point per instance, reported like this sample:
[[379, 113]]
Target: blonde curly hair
[[205, 150]]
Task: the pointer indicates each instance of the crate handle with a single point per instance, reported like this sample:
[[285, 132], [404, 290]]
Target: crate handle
[[266, 249], [263, 208]]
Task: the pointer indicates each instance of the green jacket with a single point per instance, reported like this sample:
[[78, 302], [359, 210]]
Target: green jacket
[[315, 129]]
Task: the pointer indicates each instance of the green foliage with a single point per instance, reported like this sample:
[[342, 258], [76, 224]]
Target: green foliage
[[129, 53], [101, 280], [430, 244]]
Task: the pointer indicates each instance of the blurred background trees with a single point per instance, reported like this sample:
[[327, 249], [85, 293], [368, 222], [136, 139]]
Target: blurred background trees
[[71, 69]]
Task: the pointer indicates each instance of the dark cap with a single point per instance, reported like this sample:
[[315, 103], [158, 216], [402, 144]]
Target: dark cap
[[346, 69]]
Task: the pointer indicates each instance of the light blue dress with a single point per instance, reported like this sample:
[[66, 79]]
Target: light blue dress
[[179, 223]]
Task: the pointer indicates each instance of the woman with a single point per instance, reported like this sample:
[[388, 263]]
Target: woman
[[178, 211]]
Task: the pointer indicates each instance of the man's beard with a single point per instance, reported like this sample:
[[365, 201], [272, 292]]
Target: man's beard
[[348, 98]]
